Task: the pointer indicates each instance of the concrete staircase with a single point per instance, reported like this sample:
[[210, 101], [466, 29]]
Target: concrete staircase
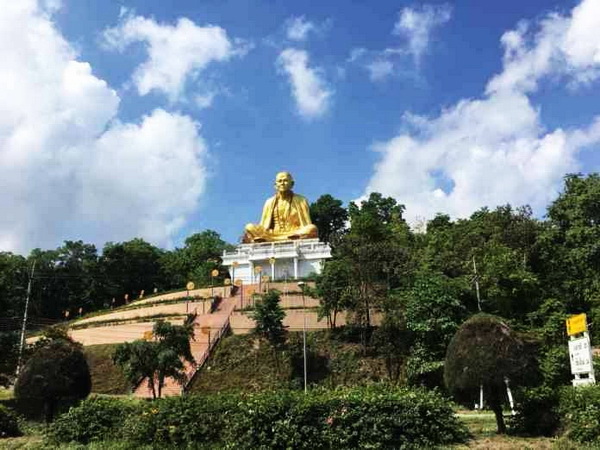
[[208, 330]]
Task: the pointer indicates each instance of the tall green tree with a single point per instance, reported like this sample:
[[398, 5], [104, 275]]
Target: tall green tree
[[268, 316], [335, 290], [570, 244], [330, 217], [376, 250], [195, 261], [130, 267], [13, 284]]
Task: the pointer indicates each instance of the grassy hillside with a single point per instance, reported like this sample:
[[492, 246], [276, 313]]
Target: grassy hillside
[[242, 363], [106, 377]]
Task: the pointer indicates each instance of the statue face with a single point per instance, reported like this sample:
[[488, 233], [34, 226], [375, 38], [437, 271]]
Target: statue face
[[283, 182]]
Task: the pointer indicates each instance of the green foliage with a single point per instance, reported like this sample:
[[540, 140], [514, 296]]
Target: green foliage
[[131, 267], [13, 282], [9, 423], [156, 360], [268, 315], [195, 261], [369, 417], [433, 312], [330, 218], [580, 411], [56, 370], [569, 245], [178, 422], [392, 340], [94, 419], [536, 412], [9, 352], [335, 291]]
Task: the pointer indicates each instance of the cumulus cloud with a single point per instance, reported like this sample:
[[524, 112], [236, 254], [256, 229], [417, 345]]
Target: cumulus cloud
[[416, 25], [176, 53], [298, 28], [309, 89], [68, 168], [494, 150], [566, 46]]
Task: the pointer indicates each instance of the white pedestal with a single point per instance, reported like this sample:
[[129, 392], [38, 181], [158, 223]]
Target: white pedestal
[[293, 260]]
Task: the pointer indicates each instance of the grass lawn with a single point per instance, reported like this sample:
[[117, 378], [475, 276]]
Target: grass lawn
[[482, 426], [6, 394], [106, 377]]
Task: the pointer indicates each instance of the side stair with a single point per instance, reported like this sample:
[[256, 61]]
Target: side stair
[[208, 330]]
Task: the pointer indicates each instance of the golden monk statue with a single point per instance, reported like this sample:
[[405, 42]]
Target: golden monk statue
[[285, 215]]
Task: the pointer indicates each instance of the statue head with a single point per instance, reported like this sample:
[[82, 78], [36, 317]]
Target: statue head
[[284, 182]]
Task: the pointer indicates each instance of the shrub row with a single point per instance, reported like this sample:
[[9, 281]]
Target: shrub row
[[371, 417], [580, 411], [574, 412]]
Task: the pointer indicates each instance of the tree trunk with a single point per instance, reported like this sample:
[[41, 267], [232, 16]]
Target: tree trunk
[[49, 405], [495, 401], [152, 387]]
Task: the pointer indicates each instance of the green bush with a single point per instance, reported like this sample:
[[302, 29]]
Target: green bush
[[95, 419], [179, 421], [9, 424], [537, 412], [382, 417], [580, 410], [377, 416]]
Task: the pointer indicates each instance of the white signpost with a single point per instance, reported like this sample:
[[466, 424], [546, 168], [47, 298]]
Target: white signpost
[[580, 351]]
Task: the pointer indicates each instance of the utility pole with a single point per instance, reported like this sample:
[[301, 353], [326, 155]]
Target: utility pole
[[22, 345], [476, 280], [301, 286]]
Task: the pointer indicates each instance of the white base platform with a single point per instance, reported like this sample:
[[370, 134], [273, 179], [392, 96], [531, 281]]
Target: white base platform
[[293, 260]]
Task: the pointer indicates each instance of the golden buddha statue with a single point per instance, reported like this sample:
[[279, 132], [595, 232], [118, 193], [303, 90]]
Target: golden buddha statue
[[285, 215]]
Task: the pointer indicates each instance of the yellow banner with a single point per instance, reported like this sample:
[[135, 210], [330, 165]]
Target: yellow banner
[[576, 324]]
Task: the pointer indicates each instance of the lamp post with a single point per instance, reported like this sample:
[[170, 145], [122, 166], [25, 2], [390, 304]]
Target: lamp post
[[272, 262], [257, 271], [301, 286], [189, 287], [233, 266]]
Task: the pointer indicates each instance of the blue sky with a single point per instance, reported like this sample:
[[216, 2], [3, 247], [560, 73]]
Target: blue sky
[[158, 119]]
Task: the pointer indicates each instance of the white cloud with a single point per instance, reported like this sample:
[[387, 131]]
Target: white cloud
[[416, 25], [494, 150], [68, 168], [309, 89], [204, 101], [380, 69], [298, 28], [563, 46], [176, 53]]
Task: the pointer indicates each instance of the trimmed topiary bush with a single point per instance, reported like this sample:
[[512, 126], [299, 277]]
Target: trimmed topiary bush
[[9, 423], [95, 419]]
